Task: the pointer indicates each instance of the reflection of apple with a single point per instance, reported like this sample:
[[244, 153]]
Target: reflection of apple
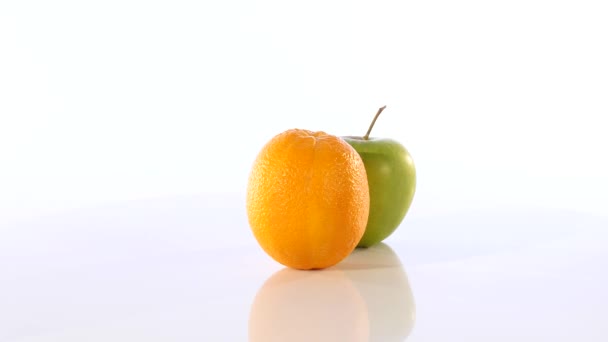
[[367, 297], [379, 276], [391, 176]]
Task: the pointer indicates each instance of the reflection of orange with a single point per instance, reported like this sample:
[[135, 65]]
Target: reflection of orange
[[365, 297], [320, 306], [308, 199]]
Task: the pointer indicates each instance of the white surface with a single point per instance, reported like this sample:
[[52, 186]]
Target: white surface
[[188, 269], [497, 101]]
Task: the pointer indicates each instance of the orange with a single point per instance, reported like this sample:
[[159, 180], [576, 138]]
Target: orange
[[308, 199]]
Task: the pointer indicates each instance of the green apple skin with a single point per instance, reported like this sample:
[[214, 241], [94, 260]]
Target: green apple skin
[[391, 176]]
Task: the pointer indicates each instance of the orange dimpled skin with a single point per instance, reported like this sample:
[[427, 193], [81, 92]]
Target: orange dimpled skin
[[308, 199]]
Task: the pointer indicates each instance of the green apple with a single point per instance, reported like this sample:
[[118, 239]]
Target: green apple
[[391, 176]]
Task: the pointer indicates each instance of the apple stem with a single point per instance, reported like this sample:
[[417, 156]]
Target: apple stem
[[369, 130]]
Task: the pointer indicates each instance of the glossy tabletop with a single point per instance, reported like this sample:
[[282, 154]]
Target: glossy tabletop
[[188, 269]]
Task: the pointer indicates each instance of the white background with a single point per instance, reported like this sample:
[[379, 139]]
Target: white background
[[128, 129], [500, 102]]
